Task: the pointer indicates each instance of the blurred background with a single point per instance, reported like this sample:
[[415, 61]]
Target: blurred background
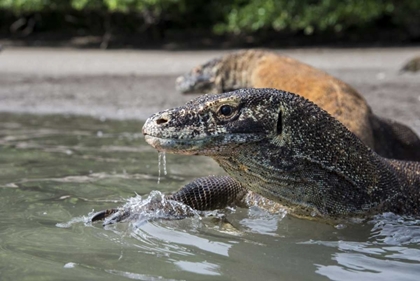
[[209, 24], [54, 58]]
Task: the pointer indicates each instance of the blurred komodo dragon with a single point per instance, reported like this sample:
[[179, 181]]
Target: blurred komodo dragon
[[412, 65], [263, 69], [286, 149]]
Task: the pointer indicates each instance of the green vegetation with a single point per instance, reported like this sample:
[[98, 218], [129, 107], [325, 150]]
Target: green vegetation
[[243, 16], [306, 15], [21, 6]]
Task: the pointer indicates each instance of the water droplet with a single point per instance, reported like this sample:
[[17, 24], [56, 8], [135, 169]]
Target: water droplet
[[69, 265], [165, 172], [159, 160], [340, 226]]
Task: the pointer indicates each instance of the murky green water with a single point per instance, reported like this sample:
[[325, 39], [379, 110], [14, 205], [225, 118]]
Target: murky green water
[[56, 169]]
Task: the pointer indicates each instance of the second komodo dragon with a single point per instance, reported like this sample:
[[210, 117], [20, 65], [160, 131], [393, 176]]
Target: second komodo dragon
[[286, 149], [263, 69]]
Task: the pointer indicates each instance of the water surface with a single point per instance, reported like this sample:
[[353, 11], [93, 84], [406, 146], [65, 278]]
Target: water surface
[[54, 170]]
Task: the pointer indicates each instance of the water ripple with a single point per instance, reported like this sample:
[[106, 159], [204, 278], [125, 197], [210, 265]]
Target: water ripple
[[390, 253], [137, 276], [391, 229]]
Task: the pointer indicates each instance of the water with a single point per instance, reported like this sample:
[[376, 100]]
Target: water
[[161, 156], [57, 169]]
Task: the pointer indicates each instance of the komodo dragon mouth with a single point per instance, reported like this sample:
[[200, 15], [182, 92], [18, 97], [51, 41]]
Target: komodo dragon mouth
[[202, 146], [178, 145]]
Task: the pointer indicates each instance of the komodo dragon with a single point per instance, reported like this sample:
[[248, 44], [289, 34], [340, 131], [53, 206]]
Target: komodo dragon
[[285, 148], [263, 69]]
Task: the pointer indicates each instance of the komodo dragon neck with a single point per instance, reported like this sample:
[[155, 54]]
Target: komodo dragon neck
[[235, 71], [288, 150]]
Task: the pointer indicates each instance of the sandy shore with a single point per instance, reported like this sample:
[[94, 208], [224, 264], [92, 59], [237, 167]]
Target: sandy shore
[[134, 84]]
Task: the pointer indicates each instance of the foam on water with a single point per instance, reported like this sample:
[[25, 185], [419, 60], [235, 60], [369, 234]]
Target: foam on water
[[138, 210], [83, 219]]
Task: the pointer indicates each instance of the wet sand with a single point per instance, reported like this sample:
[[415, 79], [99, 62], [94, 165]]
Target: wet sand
[[127, 84]]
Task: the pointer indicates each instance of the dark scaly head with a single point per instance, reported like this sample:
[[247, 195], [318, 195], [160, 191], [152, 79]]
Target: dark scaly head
[[211, 124], [201, 79], [214, 124]]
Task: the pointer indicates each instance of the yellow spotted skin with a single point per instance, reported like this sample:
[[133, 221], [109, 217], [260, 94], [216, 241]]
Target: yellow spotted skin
[[333, 95], [263, 69]]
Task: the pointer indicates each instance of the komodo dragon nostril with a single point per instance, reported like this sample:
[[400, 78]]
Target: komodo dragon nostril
[[161, 121], [163, 118]]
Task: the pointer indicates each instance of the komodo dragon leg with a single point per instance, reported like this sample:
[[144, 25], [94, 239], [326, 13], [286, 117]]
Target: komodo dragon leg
[[202, 194]]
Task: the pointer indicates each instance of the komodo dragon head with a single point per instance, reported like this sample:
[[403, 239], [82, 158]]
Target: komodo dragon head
[[279, 145], [223, 74], [201, 79], [213, 126]]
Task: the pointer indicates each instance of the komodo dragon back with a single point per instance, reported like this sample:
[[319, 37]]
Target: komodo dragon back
[[262, 69]]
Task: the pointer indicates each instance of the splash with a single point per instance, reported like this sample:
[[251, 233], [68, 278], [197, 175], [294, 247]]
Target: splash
[[138, 211], [255, 200], [76, 220]]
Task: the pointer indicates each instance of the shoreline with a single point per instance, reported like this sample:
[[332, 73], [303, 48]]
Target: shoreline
[[133, 84]]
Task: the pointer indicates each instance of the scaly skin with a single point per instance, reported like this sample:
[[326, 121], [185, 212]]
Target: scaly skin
[[262, 69], [288, 150]]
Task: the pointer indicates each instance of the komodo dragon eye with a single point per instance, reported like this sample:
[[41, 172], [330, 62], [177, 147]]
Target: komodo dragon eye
[[226, 110]]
